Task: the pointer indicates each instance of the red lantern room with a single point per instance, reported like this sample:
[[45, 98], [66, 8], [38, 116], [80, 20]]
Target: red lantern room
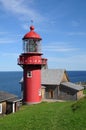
[[31, 61]]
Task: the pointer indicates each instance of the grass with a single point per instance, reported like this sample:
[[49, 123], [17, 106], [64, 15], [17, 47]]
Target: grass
[[48, 116], [84, 91]]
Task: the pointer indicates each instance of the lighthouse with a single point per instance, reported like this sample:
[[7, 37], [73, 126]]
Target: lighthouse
[[31, 61]]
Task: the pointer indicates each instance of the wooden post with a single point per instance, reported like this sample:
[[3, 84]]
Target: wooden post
[[13, 107], [58, 90]]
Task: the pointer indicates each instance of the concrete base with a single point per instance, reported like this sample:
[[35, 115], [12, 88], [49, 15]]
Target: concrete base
[[31, 103]]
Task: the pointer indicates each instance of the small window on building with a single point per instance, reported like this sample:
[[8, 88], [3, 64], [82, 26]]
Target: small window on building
[[68, 93], [29, 74], [0, 108]]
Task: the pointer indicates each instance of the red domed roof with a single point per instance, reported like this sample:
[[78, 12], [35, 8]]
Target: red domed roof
[[32, 34]]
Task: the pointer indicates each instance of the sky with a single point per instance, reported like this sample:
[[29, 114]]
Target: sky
[[60, 23]]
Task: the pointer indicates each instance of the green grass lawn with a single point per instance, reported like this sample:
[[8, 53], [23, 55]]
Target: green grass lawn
[[84, 91], [48, 116]]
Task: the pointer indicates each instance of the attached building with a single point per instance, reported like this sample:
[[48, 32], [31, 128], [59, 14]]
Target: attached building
[[56, 85], [9, 103]]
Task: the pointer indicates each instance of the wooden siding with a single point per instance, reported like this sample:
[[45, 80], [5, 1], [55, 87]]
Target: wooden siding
[[17, 106], [51, 92], [59, 93], [7, 108], [67, 93], [3, 107], [10, 107], [65, 78], [80, 94], [43, 93]]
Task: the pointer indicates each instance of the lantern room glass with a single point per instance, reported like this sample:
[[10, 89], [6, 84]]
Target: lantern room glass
[[31, 45]]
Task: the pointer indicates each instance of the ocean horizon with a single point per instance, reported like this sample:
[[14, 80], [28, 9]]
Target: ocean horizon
[[9, 80]]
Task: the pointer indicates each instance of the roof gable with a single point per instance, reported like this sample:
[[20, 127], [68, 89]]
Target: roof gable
[[52, 76], [65, 77]]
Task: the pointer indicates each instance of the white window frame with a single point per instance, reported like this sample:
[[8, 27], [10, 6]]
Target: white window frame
[[0, 108], [29, 74]]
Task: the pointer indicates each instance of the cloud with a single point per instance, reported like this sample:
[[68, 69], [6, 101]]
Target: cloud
[[9, 61], [75, 23], [76, 62], [80, 58], [25, 26], [9, 54], [22, 9], [9, 37], [3, 33], [76, 33], [59, 47], [5, 41]]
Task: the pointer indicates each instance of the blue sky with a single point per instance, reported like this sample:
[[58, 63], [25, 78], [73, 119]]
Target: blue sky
[[61, 24]]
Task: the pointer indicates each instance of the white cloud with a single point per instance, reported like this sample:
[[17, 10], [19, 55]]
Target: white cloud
[[5, 41], [10, 54], [23, 9], [3, 32], [70, 59], [75, 23], [25, 26], [75, 62], [10, 39], [58, 49], [9, 61], [76, 33]]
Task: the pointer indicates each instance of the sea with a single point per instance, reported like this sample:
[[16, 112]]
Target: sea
[[9, 81]]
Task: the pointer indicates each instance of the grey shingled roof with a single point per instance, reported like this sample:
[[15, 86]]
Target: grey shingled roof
[[72, 86], [5, 96], [52, 76], [15, 99]]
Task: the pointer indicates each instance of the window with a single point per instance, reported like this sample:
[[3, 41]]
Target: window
[[68, 93], [29, 74], [0, 108], [31, 45]]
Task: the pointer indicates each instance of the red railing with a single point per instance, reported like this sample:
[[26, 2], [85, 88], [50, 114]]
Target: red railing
[[21, 61], [44, 61]]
